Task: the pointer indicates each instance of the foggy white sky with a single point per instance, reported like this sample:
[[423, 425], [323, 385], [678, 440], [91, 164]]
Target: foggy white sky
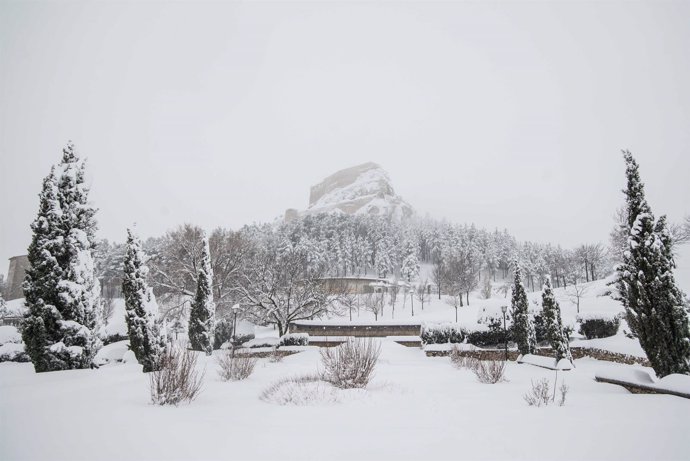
[[503, 114]]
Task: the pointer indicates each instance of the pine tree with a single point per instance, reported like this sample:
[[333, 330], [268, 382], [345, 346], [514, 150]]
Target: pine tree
[[551, 313], [62, 294], [654, 304], [141, 309], [523, 328], [202, 314]]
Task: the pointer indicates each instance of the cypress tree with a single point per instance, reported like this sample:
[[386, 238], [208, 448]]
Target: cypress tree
[[653, 303], [523, 328], [141, 309], [61, 291], [551, 313], [202, 314]]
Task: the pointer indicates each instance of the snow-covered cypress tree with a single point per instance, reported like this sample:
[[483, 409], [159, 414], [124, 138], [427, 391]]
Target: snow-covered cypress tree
[[654, 304], [523, 328], [141, 309], [551, 313], [203, 311], [62, 294]]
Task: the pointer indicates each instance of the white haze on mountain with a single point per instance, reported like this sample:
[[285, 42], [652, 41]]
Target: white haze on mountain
[[508, 115]]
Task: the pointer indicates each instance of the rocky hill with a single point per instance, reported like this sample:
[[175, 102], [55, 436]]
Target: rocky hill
[[361, 189]]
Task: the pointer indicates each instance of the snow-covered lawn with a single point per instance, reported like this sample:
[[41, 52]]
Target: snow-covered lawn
[[415, 408]]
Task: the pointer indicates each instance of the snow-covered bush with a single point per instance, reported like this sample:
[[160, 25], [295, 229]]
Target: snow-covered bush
[[12, 352], [351, 364], [489, 371], [441, 333], [295, 339], [598, 325], [488, 337], [223, 333], [177, 380], [11, 346], [235, 367]]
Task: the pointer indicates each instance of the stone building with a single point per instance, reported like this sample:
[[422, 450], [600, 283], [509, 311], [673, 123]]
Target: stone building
[[111, 287], [15, 277]]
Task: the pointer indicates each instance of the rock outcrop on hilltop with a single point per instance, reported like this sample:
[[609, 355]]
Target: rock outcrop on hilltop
[[361, 189]]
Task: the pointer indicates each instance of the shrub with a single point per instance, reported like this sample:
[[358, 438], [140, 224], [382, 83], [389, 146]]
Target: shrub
[[351, 364], [540, 395], [222, 333], [235, 367], [461, 361], [177, 380], [489, 371], [12, 352], [114, 338], [294, 339], [274, 356], [484, 338], [598, 326], [441, 333]]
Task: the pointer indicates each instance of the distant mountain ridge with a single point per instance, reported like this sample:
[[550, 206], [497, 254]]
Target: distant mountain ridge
[[361, 189]]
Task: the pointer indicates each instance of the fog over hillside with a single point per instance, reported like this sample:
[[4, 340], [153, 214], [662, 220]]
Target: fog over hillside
[[223, 114]]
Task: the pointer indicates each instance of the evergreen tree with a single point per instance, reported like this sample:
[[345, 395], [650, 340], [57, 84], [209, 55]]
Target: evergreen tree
[[202, 314], [62, 294], [410, 264], [523, 328], [551, 313], [141, 309], [654, 304]]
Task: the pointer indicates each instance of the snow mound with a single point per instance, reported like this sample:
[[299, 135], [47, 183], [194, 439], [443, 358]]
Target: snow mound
[[307, 391], [9, 334]]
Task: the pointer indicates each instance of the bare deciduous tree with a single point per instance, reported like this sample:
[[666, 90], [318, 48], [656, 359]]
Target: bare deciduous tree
[[280, 285]]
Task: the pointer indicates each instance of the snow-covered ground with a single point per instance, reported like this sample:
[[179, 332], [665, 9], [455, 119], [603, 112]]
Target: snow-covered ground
[[415, 408]]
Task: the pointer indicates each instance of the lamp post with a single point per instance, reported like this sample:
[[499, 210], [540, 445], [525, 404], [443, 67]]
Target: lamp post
[[504, 309], [235, 308], [412, 299]]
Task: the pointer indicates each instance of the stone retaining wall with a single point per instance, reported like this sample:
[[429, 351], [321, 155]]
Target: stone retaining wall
[[367, 331], [578, 353]]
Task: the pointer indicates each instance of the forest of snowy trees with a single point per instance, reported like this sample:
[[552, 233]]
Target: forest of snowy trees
[[373, 246]]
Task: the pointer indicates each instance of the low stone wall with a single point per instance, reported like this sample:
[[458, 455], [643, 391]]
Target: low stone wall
[[577, 352], [480, 354], [634, 388], [600, 354], [366, 331], [263, 354]]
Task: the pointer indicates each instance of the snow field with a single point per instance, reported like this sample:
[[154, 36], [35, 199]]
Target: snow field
[[415, 408]]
